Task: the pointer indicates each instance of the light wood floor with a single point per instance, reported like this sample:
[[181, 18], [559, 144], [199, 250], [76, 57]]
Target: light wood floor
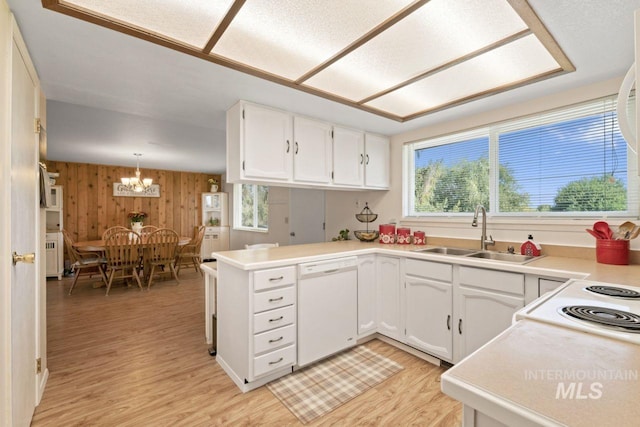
[[139, 359]]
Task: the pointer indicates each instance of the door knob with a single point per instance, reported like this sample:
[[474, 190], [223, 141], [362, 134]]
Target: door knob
[[28, 258]]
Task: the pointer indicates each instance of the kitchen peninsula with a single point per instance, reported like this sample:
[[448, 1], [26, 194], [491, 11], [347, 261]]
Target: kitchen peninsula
[[399, 291]]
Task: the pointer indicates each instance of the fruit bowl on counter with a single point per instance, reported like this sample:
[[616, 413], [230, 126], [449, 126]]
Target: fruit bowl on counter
[[367, 235]]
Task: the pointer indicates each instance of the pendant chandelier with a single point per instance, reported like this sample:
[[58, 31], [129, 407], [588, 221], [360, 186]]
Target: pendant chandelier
[[135, 183]]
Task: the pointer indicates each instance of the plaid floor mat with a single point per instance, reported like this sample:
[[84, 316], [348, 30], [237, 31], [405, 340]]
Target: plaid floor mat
[[320, 388]]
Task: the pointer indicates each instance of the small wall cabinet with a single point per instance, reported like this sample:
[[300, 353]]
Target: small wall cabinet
[[215, 216], [54, 243]]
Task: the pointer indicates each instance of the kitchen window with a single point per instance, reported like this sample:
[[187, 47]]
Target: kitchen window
[[251, 207], [571, 162]]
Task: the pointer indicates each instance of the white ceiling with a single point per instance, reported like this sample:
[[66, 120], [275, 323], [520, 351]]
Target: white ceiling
[[87, 65]]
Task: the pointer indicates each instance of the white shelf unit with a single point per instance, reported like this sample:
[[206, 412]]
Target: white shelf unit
[[54, 243], [215, 216]]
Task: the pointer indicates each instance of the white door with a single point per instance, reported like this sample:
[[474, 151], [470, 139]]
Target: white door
[[389, 309], [311, 151], [24, 225], [267, 143], [348, 157], [366, 295], [428, 316], [481, 315], [376, 161], [306, 216]]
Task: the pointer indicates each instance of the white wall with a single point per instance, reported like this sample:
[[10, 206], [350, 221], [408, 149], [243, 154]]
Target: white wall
[[341, 206]]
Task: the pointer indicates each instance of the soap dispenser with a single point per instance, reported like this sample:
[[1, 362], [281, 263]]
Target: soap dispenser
[[530, 247]]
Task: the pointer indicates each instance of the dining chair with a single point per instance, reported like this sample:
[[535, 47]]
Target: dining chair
[[111, 230], [161, 249], [146, 231], [122, 248], [189, 254], [83, 262], [262, 246]]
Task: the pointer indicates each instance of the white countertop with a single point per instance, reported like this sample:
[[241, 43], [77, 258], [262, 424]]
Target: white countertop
[[554, 266]]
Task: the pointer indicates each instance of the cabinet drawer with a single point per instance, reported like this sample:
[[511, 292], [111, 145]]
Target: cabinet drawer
[[273, 278], [271, 340], [429, 270], [274, 319], [274, 360], [501, 281], [274, 299]]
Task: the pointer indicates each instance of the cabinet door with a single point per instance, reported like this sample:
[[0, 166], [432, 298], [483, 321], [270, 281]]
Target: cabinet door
[[388, 301], [267, 143], [348, 157], [366, 295], [51, 257], [480, 316], [376, 161], [311, 151], [428, 305]]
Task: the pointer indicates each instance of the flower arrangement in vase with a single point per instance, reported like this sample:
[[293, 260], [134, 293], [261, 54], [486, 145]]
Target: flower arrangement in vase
[[136, 220], [214, 184]]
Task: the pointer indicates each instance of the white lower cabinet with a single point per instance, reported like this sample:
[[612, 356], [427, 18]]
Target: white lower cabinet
[[257, 324], [389, 311], [428, 307], [54, 258], [367, 322], [484, 304]]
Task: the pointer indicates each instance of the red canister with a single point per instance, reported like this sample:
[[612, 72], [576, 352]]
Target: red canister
[[419, 238], [387, 233], [404, 236]]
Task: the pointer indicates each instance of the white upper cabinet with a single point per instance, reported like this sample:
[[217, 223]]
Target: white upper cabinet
[[267, 143], [274, 147], [311, 151], [376, 161], [348, 157]]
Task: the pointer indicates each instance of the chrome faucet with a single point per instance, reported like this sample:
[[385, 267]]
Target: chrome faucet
[[483, 239]]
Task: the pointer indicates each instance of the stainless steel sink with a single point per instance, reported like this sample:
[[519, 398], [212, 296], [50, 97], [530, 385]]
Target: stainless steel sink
[[501, 256], [474, 253], [447, 251]]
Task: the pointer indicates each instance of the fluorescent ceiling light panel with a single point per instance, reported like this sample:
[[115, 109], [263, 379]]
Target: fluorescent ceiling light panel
[[396, 58], [290, 37], [436, 34], [508, 65], [187, 21]]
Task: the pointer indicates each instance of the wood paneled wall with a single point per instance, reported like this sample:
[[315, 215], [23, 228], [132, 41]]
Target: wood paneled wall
[[90, 208]]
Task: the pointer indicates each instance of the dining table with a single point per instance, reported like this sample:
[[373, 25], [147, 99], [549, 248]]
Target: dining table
[[100, 247]]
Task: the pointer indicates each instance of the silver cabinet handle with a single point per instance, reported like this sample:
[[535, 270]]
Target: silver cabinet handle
[[276, 299], [296, 147], [460, 326], [449, 322], [276, 362], [274, 279], [276, 340], [367, 159], [276, 319], [288, 146], [361, 158]]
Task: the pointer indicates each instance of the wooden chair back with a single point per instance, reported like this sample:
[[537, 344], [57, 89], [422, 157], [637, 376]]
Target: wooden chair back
[[74, 257], [122, 248], [146, 231], [111, 230], [162, 245]]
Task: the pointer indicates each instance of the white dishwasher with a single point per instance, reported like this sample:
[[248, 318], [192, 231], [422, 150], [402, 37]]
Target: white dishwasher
[[327, 308]]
